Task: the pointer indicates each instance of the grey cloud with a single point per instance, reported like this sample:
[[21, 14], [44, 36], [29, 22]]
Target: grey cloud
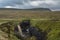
[[24, 4]]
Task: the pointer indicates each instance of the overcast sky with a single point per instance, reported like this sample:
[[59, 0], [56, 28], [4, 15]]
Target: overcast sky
[[26, 4]]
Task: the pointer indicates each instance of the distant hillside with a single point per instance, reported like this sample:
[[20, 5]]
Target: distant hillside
[[41, 9], [33, 9]]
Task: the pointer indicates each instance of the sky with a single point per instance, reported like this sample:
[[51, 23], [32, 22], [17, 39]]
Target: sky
[[27, 4]]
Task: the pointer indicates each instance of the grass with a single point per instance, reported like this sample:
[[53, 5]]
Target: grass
[[51, 27], [45, 20], [18, 14]]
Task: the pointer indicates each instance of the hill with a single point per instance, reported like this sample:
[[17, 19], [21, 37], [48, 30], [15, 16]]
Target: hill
[[41, 9], [34, 9]]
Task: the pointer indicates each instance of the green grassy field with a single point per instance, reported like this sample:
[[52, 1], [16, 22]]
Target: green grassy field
[[45, 20]]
